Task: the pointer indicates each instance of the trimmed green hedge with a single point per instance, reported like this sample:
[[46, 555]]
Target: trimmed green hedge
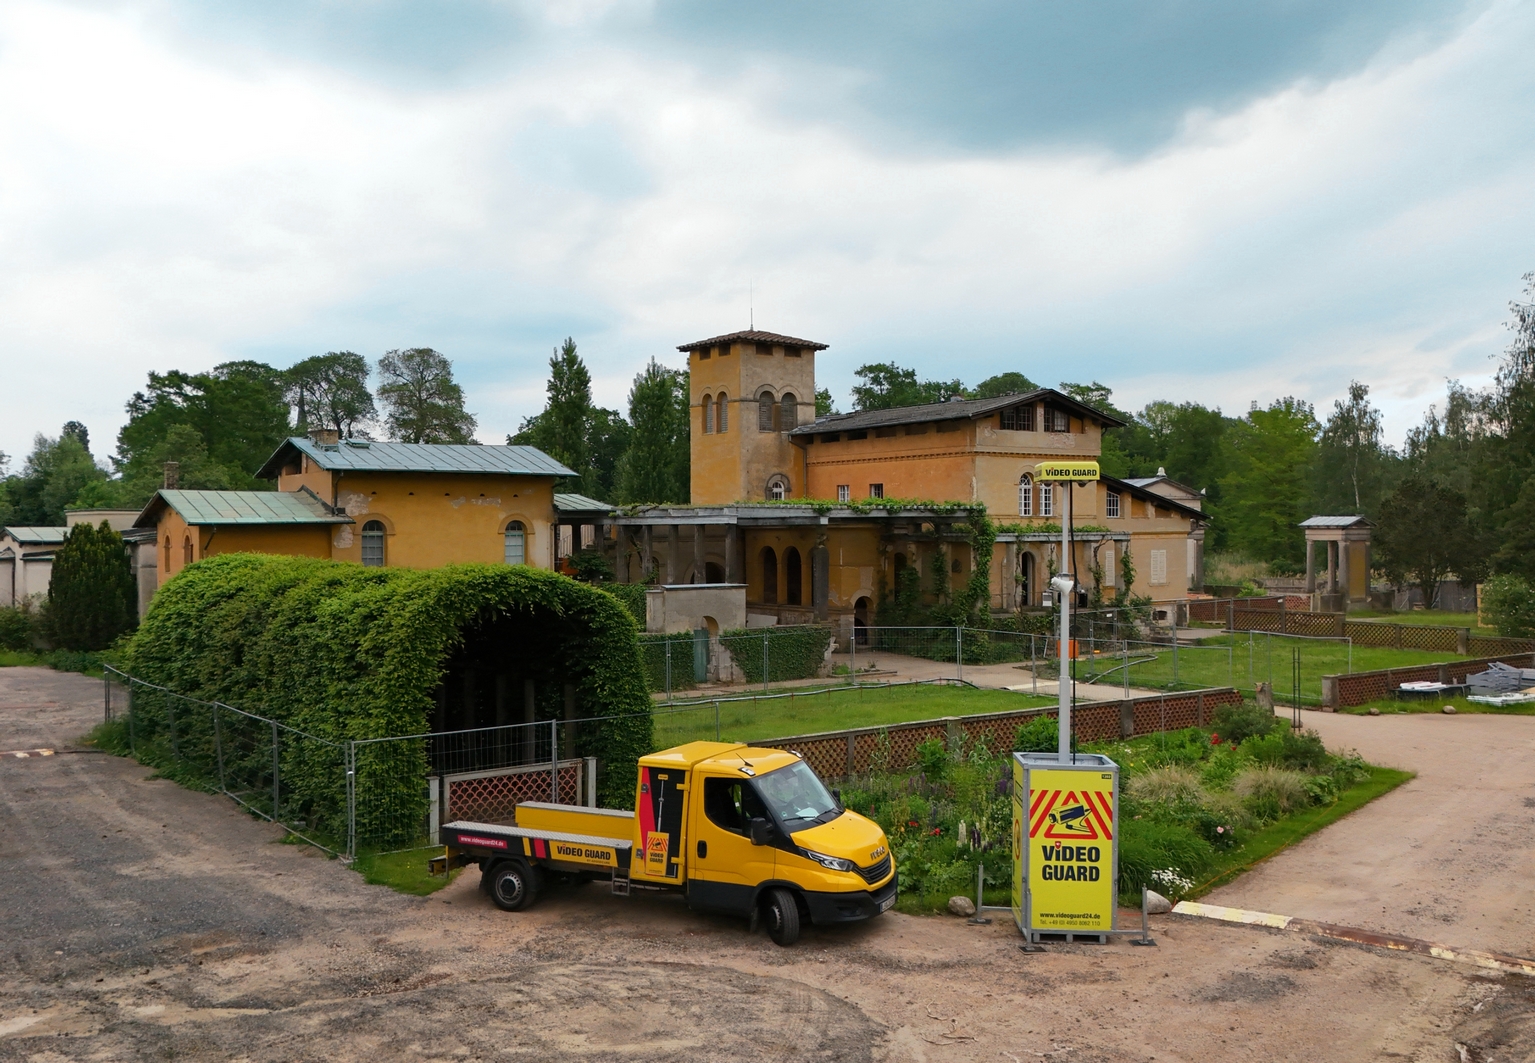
[[653, 656], [795, 652], [345, 652]]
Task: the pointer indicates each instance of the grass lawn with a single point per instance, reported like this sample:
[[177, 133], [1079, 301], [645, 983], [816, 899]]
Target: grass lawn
[[59, 660], [1392, 707], [797, 713], [1286, 832], [1427, 618], [404, 872], [18, 659], [1243, 660]]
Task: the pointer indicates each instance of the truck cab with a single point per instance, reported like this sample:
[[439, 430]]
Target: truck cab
[[740, 830]]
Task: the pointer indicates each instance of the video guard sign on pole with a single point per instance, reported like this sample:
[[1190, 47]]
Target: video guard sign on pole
[[1065, 844]]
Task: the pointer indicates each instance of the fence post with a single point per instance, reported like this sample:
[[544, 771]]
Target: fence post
[[276, 807], [716, 719], [132, 747], [351, 801], [959, 653], [1231, 614], [853, 650], [218, 746], [1175, 647], [554, 762], [1127, 667], [1033, 665], [764, 660], [106, 693], [668, 644]]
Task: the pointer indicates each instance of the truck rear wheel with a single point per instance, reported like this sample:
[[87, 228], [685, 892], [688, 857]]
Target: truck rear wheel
[[782, 913], [513, 885]]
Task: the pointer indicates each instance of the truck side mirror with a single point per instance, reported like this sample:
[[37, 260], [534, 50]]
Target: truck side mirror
[[836, 795], [759, 830]]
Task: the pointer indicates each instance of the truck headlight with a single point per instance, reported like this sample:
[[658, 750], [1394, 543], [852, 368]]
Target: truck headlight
[[832, 863]]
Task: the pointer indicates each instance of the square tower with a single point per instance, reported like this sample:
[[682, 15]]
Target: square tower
[[747, 392]]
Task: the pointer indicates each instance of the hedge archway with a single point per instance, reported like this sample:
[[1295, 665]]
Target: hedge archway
[[343, 652]]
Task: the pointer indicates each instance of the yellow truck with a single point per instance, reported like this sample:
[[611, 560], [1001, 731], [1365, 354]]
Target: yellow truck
[[737, 829]]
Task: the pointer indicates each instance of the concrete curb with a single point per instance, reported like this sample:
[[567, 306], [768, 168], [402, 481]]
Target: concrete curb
[[1475, 957]]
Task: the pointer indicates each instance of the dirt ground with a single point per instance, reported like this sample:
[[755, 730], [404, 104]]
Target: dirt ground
[[141, 920], [1449, 856]]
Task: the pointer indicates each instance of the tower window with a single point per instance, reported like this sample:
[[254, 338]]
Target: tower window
[[788, 419], [765, 409], [708, 415], [764, 348], [722, 413], [373, 544]]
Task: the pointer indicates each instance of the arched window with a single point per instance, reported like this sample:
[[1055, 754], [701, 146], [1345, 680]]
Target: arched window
[[769, 576], [1026, 496], [788, 412], [777, 487], [722, 413], [516, 548], [167, 553], [765, 408], [373, 544], [708, 415], [793, 578], [1046, 500], [186, 550]]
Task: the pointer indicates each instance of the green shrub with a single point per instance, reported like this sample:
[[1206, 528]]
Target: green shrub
[[1187, 747], [1270, 792], [1284, 748], [653, 655], [1508, 602], [933, 758], [92, 595], [15, 628], [1223, 765], [793, 652], [592, 567], [1237, 723], [1157, 856], [1222, 820], [1042, 734], [343, 652]]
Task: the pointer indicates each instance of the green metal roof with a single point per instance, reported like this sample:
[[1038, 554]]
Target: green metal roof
[[241, 507], [573, 503], [28, 533], [362, 455]]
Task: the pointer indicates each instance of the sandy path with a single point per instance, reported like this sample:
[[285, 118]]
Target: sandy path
[[1448, 856], [145, 921]]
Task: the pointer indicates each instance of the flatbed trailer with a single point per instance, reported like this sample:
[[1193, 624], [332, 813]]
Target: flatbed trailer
[[736, 829]]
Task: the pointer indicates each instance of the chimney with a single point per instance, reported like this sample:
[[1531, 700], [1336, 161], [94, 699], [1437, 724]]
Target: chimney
[[325, 437], [172, 475]]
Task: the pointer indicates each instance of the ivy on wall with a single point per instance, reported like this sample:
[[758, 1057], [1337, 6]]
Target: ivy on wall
[[343, 652], [794, 652]]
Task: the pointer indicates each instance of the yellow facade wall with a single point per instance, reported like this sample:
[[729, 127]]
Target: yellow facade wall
[[737, 464]]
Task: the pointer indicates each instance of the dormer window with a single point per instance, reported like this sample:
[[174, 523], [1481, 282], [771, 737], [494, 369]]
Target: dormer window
[[1018, 419], [1057, 420]]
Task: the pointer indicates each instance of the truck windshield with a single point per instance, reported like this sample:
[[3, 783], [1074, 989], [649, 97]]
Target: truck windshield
[[795, 796]]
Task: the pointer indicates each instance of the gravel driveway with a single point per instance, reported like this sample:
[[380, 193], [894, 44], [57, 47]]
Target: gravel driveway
[[144, 921]]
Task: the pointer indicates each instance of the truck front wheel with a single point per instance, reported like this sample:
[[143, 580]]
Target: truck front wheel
[[513, 885], [782, 913]]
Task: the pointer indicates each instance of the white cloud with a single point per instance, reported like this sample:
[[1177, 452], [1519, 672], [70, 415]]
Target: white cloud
[[160, 209]]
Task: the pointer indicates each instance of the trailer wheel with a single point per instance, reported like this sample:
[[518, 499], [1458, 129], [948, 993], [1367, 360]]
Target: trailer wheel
[[513, 885], [782, 916]]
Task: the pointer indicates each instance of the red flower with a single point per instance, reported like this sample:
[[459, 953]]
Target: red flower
[[937, 830], [912, 823], [1215, 740]]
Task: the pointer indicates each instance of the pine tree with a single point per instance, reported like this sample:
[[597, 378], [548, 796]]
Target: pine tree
[[92, 598], [657, 466]]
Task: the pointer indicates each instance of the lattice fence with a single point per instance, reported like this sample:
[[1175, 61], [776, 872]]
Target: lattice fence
[[491, 797], [1360, 688], [837, 754]]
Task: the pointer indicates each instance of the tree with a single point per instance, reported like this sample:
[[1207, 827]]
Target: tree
[[331, 391], [887, 385], [825, 406], [589, 439], [422, 404], [1424, 535], [656, 467], [195, 470], [1266, 494], [53, 475], [92, 598], [1112, 458], [237, 408], [994, 387], [1351, 463]]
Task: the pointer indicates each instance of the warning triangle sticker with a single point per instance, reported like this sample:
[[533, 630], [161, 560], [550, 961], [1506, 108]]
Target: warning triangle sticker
[[1071, 819]]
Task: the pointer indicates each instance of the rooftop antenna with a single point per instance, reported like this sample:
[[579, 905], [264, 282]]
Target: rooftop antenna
[[751, 307]]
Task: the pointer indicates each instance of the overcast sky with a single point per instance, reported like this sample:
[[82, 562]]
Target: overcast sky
[[1195, 201]]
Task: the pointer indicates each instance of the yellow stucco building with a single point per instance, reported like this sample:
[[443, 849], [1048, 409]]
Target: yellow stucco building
[[417, 505], [757, 448]]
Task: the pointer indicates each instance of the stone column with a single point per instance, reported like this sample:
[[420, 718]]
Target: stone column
[[1009, 576], [672, 535], [732, 552], [820, 579], [1310, 566], [1332, 567], [646, 553], [699, 574], [1343, 572]]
